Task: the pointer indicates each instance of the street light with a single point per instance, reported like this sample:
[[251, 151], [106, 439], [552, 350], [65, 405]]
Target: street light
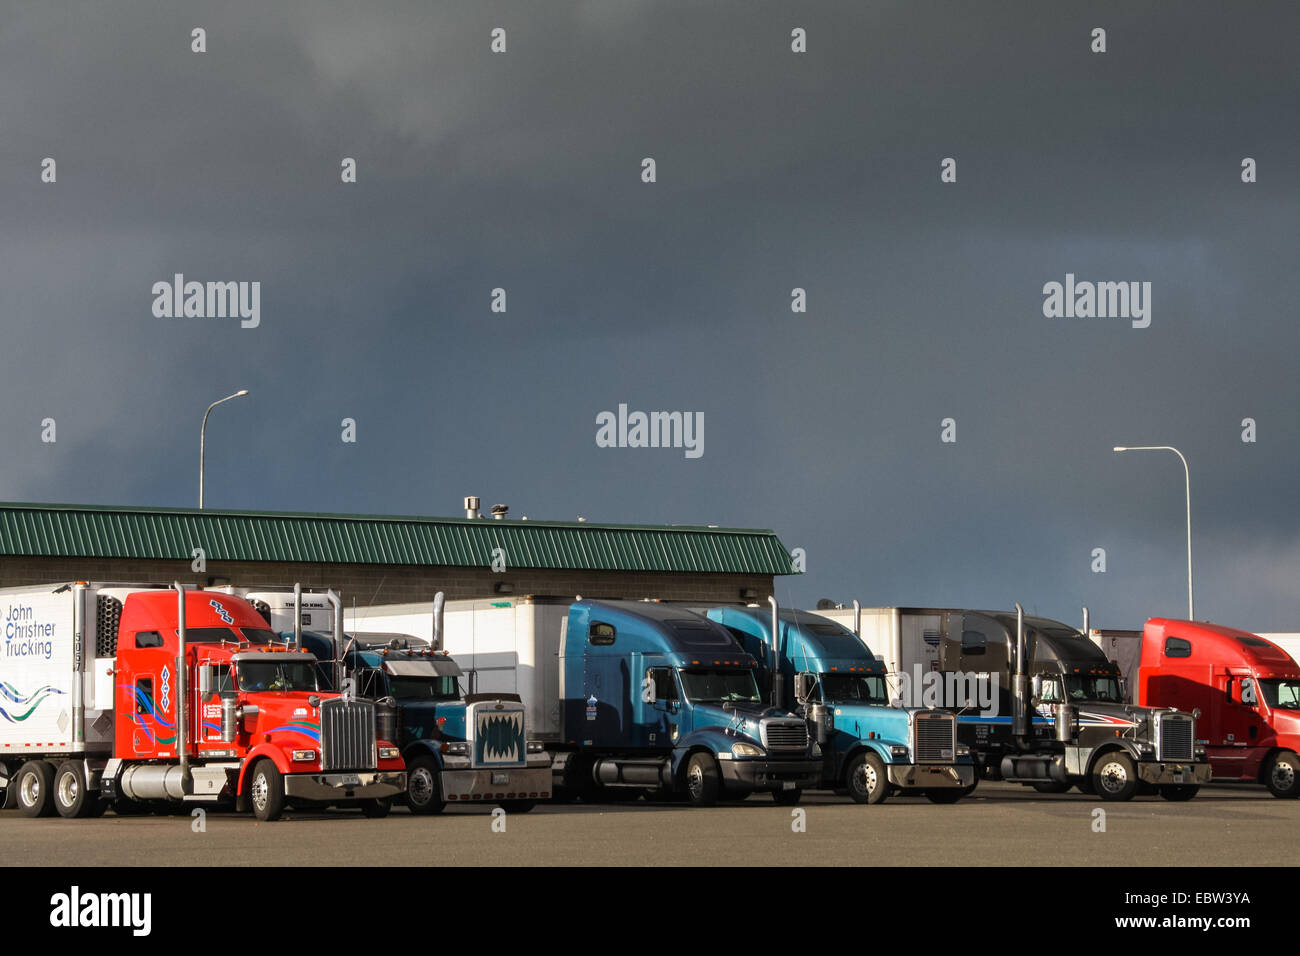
[[203, 435], [1191, 607]]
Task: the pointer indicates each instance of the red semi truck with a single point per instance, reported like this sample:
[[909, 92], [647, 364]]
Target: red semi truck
[[135, 697], [1246, 688]]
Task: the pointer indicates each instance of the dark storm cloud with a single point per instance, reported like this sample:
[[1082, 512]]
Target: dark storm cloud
[[775, 171]]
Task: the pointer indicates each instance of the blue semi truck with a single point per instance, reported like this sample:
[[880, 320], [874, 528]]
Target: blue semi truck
[[628, 697], [658, 698], [821, 670], [459, 748]]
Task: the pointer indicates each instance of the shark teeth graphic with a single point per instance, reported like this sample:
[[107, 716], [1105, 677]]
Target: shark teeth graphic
[[499, 736]]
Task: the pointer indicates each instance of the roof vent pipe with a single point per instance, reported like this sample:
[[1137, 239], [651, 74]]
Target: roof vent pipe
[[471, 506], [500, 511]]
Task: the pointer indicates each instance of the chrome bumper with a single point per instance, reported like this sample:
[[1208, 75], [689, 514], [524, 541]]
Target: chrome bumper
[[512, 783], [345, 786], [911, 776], [1150, 771]]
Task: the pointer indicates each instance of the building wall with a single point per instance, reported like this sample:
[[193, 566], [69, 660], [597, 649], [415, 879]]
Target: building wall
[[384, 584]]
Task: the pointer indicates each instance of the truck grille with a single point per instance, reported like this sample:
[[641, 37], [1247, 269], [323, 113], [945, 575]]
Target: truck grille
[[784, 735], [936, 738], [1175, 738], [347, 735]]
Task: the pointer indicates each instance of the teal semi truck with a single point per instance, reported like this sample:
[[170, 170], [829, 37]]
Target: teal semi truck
[[819, 669]]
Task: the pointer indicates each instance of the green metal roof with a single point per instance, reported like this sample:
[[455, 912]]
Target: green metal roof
[[87, 531]]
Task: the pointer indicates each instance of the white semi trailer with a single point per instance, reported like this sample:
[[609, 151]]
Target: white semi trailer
[[504, 645]]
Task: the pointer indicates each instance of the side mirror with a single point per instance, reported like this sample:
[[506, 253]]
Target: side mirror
[[1036, 682], [802, 687]]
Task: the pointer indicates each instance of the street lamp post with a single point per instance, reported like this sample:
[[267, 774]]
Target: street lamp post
[[1187, 475], [203, 435]]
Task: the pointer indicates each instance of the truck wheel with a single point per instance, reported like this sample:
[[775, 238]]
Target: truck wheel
[[702, 780], [35, 785], [787, 798], [423, 789], [517, 806], [72, 798], [377, 808], [945, 796], [866, 779], [1179, 792], [1283, 775], [1051, 786], [1114, 776], [266, 791]]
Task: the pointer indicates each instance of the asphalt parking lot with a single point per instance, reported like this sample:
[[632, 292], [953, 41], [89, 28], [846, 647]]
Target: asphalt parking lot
[[1002, 824]]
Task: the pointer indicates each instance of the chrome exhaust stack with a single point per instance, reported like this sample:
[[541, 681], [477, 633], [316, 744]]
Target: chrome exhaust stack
[[778, 682], [1021, 726], [439, 602], [337, 603], [182, 693]]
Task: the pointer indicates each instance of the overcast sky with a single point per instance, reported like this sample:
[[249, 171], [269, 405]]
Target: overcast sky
[[775, 170]]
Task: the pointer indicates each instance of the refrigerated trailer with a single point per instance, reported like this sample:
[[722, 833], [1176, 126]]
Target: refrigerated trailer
[[134, 695]]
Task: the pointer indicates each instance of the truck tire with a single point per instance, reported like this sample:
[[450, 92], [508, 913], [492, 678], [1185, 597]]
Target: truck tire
[[1051, 786], [377, 808], [1283, 775], [518, 806], [423, 787], [72, 797], [702, 780], [787, 798], [1114, 776], [35, 785], [1178, 792], [266, 790], [866, 779]]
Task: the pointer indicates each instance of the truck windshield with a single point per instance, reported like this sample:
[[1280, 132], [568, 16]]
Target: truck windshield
[[1098, 688], [423, 688], [1281, 694], [277, 674], [715, 687], [856, 688]]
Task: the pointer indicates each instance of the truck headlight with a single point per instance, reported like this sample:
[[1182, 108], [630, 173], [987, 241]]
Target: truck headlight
[[389, 753], [304, 756], [897, 750], [963, 750], [458, 747], [817, 749], [535, 746], [746, 750]]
